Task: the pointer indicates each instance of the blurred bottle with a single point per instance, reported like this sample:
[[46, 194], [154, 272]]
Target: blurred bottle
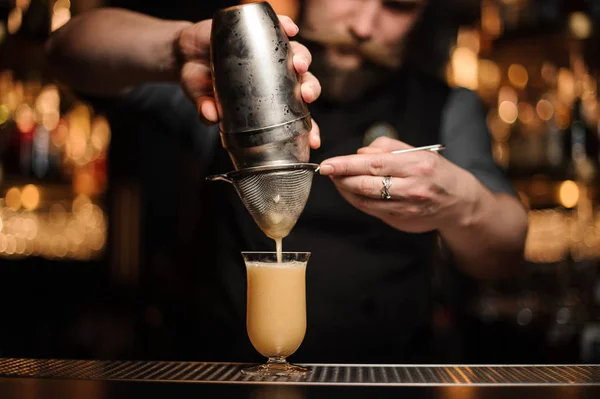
[[581, 151], [590, 336], [554, 150], [26, 127], [580, 148], [6, 130], [40, 152]]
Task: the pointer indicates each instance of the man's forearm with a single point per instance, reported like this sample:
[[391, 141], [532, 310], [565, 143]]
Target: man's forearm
[[107, 51], [489, 243]]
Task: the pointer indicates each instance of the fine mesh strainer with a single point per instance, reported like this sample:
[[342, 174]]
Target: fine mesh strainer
[[274, 195]]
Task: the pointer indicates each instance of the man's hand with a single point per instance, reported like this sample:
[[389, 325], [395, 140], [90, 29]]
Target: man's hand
[[193, 46], [427, 191]]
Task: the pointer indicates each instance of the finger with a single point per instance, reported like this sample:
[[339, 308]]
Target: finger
[[387, 144], [372, 186], [310, 87], [207, 109], [197, 84], [302, 57], [384, 164], [376, 207], [196, 79], [314, 136], [370, 150], [289, 27], [384, 209], [194, 41]]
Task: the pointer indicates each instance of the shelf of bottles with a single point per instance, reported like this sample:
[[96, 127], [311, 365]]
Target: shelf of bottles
[[539, 94], [53, 153], [541, 98]]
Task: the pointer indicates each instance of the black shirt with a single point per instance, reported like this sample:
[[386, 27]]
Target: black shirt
[[368, 285]]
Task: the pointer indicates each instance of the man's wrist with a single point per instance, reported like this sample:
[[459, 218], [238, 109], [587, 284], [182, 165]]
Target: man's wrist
[[468, 210]]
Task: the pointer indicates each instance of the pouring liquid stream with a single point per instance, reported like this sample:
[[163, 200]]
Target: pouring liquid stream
[[279, 227], [278, 246], [277, 235]]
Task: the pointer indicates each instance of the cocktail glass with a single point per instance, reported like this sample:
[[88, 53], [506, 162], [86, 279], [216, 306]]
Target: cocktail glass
[[276, 309]]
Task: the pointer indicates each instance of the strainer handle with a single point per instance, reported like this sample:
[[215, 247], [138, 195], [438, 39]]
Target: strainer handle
[[220, 177]]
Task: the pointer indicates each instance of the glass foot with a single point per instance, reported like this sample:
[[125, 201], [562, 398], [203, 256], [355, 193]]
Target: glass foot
[[275, 368]]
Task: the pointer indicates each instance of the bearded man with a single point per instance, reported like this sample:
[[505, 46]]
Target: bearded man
[[368, 279]]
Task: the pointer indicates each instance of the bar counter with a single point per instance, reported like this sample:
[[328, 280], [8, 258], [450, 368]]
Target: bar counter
[[47, 378]]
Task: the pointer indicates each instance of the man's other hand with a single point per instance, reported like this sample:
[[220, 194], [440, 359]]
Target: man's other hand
[[193, 46]]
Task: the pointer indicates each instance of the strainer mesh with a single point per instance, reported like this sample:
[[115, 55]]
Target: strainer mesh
[[275, 199]]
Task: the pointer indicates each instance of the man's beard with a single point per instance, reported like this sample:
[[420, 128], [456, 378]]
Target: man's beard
[[349, 85]]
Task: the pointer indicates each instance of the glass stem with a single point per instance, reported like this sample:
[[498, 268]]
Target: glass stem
[[277, 360]]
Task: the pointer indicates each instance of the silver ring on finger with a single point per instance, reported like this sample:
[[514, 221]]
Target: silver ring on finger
[[385, 190]]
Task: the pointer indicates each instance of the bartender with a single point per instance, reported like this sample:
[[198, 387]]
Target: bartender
[[372, 244]]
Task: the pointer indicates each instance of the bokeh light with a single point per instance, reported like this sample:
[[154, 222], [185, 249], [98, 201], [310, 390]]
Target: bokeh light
[[580, 25], [465, 67], [13, 198], [518, 76], [568, 194], [545, 110], [508, 112], [30, 197], [15, 19]]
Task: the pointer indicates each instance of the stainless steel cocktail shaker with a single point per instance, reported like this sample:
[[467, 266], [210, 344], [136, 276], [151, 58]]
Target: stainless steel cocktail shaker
[[264, 120], [265, 124]]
